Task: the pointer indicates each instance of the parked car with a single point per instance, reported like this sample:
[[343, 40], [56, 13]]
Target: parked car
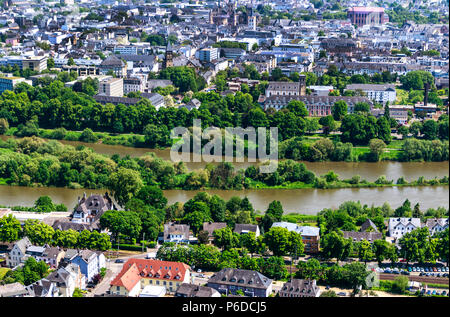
[[428, 292], [434, 269], [327, 287], [444, 293], [434, 292], [410, 269], [119, 261], [446, 269], [342, 294], [406, 273]]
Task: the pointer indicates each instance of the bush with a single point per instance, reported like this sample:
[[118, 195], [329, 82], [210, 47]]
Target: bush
[[88, 136]]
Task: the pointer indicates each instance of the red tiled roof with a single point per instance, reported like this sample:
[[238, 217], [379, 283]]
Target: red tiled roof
[[129, 276]]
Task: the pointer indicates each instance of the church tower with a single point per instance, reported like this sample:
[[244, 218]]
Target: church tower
[[168, 59]]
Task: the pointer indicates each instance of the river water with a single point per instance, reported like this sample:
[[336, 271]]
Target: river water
[[369, 171], [306, 201]]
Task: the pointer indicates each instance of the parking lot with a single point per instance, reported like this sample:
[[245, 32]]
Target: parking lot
[[439, 271]]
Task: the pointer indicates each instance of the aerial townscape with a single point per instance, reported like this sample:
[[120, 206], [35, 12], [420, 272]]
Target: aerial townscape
[[135, 139]]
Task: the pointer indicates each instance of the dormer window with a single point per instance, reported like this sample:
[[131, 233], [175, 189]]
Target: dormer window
[[241, 281], [232, 279]]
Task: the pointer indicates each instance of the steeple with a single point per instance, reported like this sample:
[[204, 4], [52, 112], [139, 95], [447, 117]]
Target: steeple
[[168, 59]]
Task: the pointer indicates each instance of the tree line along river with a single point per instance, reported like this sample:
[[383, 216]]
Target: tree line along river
[[307, 201]]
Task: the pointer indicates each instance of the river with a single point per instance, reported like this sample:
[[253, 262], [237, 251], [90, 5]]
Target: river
[[305, 201], [369, 171]]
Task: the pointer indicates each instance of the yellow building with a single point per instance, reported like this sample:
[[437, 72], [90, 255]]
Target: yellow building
[[136, 274]]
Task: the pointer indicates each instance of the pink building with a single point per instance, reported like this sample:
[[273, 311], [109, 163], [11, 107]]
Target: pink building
[[13, 41], [367, 15]]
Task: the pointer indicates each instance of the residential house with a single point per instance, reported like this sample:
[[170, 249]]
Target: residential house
[[90, 209], [211, 227], [299, 288], [251, 283], [34, 251], [192, 290], [17, 252], [65, 281], [358, 236], [436, 225], [310, 235], [136, 274], [246, 228], [175, 233], [192, 104], [88, 261], [42, 288], [397, 227]]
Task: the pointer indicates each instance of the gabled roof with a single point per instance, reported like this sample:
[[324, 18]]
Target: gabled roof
[[211, 226], [192, 290]]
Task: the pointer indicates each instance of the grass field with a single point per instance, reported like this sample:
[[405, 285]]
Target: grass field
[[3, 271]]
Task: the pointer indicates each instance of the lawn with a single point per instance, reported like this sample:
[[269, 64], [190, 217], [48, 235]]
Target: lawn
[[3, 271]]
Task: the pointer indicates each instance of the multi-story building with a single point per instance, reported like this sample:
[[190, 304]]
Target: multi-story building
[[36, 63], [251, 283], [281, 88], [8, 83], [380, 93], [208, 54], [136, 274], [90, 209], [310, 235], [397, 227], [16, 252], [318, 106], [367, 15], [132, 84], [82, 70], [111, 87], [113, 64]]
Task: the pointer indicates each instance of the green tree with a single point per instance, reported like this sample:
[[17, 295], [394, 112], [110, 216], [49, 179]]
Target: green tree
[[124, 183], [334, 245], [4, 126], [339, 110], [10, 229], [376, 147], [273, 214]]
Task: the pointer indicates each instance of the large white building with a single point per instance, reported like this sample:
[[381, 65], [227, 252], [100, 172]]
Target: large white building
[[399, 226], [380, 93]]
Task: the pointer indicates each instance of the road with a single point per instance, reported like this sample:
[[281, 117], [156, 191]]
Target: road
[[112, 269]]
